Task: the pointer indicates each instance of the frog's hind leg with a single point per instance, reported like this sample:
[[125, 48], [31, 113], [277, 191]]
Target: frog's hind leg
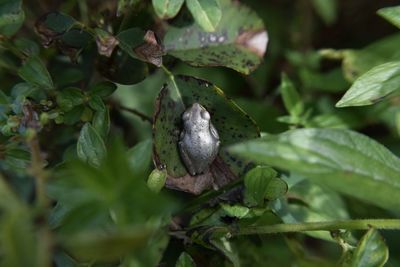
[[186, 160]]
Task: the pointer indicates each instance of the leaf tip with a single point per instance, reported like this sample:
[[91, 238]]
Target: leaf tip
[[341, 104]]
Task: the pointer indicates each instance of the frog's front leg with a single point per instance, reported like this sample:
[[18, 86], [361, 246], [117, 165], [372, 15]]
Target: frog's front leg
[[186, 159]]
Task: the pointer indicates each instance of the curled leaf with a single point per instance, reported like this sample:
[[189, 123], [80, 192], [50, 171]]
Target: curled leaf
[[105, 43], [151, 50], [69, 36], [140, 45]]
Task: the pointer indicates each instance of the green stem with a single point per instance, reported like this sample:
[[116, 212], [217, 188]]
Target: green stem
[[170, 75], [172, 78], [363, 224]]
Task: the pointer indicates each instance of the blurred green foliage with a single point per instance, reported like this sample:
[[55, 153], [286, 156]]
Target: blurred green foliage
[[304, 95]]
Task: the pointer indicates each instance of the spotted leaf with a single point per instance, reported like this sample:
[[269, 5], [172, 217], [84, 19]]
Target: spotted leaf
[[239, 41], [232, 124]]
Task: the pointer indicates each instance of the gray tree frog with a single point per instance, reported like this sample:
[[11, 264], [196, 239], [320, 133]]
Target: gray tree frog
[[199, 140]]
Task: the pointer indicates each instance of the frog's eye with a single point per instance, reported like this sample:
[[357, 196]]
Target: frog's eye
[[185, 116], [205, 115]]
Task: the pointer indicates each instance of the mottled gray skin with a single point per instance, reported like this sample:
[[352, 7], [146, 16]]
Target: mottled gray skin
[[199, 140]]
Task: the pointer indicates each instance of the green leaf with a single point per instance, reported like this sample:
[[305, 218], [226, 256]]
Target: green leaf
[[11, 16], [70, 36], [104, 198], [371, 251], [276, 189], [19, 93], [101, 122], [17, 158], [166, 9], [55, 23], [74, 115], [232, 124], [102, 89], [357, 62], [326, 9], [96, 103], [207, 13], [391, 14], [237, 210], [90, 146], [122, 68], [4, 100], [139, 158], [373, 86], [291, 97], [35, 73], [27, 46], [315, 204], [69, 98], [185, 260], [86, 114], [320, 199], [346, 161], [68, 77], [156, 180], [129, 39], [238, 42], [256, 184]]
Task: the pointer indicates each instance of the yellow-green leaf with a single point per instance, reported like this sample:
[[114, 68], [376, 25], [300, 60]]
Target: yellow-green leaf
[[207, 13]]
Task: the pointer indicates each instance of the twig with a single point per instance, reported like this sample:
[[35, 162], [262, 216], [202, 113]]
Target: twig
[[137, 113], [42, 202], [37, 170]]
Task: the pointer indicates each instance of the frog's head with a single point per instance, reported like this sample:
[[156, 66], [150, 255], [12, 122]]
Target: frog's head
[[196, 117]]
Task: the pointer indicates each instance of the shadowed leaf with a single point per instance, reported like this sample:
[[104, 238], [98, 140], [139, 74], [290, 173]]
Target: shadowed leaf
[[68, 35], [122, 68], [11, 16], [185, 260], [232, 124]]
